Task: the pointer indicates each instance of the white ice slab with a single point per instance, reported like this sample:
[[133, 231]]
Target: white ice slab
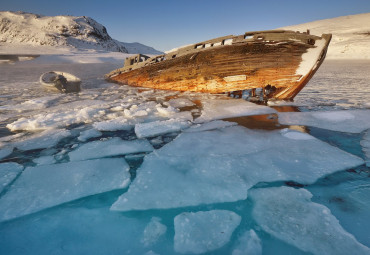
[[365, 143], [61, 116], [202, 232], [289, 215], [8, 172], [5, 151], [44, 160], [221, 109], [249, 243], [180, 102], [216, 124], [119, 123], [87, 134], [153, 231], [45, 139], [112, 147], [46, 186], [156, 128], [350, 121], [221, 165]]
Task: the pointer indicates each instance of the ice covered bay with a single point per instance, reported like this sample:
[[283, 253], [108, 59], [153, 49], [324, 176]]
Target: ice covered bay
[[195, 161]]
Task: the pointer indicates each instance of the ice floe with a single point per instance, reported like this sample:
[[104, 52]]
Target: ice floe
[[180, 102], [45, 160], [350, 121], [365, 143], [221, 109], [153, 231], [288, 214], [216, 124], [5, 151], [61, 116], [112, 147], [8, 172], [206, 231], [120, 123], [45, 139], [160, 127], [249, 243], [87, 134], [221, 165], [45, 186]]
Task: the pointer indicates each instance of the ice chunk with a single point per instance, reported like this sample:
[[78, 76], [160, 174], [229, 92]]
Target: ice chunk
[[46, 186], [221, 165], [45, 139], [202, 232], [221, 109], [119, 123], [350, 121], [156, 128], [153, 231], [5, 151], [36, 103], [58, 119], [87, 134], [249, 243], [289, 215], [365, 143], [180, 102], [216, 124], [8, 172], [111, 147], [45, 160]]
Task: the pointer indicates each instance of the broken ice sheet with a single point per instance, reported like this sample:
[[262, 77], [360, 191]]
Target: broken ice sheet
[[206, 231], [350, 121], [248, 243], [349, 201], [156, 128], [222, 109], [112, 147], [288, 214], [46, 186], [42, 140], [221, 165], [216, 124], [153, 231], [87, 134], [5, 151], [8, 172]]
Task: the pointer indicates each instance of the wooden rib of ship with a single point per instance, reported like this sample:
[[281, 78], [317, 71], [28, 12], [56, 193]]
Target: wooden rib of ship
[[279, 62]]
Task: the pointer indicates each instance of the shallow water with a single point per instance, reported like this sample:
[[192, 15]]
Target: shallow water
[[86, 225]]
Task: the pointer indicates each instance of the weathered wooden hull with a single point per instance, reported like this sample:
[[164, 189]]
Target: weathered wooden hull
[[240, 66]]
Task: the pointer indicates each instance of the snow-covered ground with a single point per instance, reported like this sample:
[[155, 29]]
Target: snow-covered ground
[[351, 35]]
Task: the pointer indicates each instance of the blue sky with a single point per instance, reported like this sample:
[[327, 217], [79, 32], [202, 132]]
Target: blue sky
[[166, 24]]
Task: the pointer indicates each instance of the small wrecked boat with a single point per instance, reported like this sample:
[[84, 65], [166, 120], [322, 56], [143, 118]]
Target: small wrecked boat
[[277, 62], [60, 81]]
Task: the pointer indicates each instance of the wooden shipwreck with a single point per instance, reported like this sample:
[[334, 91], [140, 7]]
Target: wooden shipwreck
[[279, 62]]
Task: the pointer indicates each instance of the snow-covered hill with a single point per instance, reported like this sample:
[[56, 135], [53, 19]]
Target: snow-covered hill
[[351, 35], [45, 34], [140, 48]]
